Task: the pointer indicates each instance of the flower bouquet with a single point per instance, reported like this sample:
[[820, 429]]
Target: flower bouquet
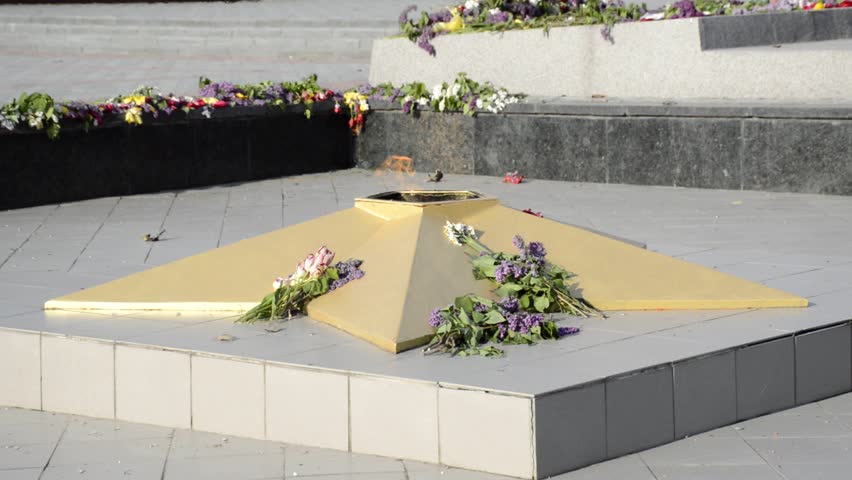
[[527, 276], [472, 320], [529, 287], [314, 277]]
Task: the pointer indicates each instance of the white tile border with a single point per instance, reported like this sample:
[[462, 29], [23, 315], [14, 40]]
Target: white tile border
[[153, 386], [20, 369], [307, 407], [467, 417], [394, 418], [78, 375], [69, 364]]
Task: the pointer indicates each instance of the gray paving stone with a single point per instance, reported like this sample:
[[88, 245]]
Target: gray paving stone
[[570, 429], [125, 452], [703, 452], [425, 471], [813, 450], [765, 378], [715, 472], [705, 394], [21, 474], [269, 464], [839, 405], [630, 467], [639, 411], [145, 471], [823, 363], [813, 471], [304, 461], [808, 423], [25, 456]]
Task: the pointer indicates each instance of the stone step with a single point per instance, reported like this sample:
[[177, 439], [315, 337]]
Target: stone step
[[315, 47], [163, 21], [220, 31]]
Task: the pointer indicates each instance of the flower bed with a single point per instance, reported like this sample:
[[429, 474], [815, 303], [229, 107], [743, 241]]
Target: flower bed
[[501, 15], [226, 133]]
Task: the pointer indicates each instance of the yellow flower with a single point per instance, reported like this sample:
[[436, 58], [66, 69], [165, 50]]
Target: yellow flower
[[134, 100], [455, 24], [819, 6], [352, 97], [133, 116], [240, 96], [210, 100]]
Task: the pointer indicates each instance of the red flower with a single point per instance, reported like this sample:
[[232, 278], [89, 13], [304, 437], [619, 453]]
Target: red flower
[[336, 108], [220, 104], [513, 177]]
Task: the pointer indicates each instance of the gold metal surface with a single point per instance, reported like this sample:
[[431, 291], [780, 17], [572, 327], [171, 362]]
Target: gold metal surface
[[411, 269]]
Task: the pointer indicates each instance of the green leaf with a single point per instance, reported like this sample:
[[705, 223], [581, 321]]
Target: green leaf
[[524, 301], [464, 318], [332, 273], [494, 317], [542, 303], [464, 303]]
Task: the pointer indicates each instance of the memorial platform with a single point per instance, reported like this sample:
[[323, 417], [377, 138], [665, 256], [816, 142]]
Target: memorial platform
[[624, 384]]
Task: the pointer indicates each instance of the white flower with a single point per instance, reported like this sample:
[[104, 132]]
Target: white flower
[[533, 2], [494, 11], [423, 101], [455, 89], [456, 232], [437, 91], [471, 4], [276, 284], [478, 103], [363, 106], [441, 105]]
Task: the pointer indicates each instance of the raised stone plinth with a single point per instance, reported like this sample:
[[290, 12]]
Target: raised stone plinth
[[797, 55]]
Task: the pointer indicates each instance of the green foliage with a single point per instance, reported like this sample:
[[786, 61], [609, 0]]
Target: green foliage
[[289, 300], [36, 110], [472, 322]]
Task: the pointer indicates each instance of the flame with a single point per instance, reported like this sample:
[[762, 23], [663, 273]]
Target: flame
[[399, 166]]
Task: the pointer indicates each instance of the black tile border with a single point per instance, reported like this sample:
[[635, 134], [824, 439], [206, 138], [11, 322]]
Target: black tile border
[[170, 152], [549, 464], [735, 31], [773, 151]]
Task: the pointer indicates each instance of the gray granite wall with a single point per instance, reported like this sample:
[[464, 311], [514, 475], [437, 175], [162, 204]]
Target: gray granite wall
[[751, 147]]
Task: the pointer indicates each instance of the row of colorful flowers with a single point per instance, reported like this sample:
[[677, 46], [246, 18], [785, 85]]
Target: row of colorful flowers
[[39, 111], [500, 15]]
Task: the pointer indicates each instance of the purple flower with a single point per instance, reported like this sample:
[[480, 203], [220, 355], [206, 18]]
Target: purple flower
[[509, 304], [504, 271], [424, 40], [606, 33], [436, 319], [403, 17], [503, 330], [686, 9], [499, 17], [537, 251], [565, 331], [440, 16], [518, 242], [346, 272], [481, 308]]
